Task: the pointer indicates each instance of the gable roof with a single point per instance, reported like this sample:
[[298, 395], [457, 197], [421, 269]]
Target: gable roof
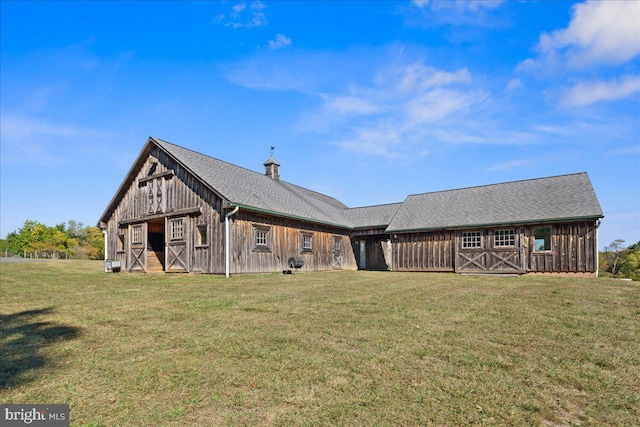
[[251, 190], [565, 197]]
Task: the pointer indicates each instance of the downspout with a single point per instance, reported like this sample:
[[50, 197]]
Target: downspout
[[105, 249], [598, 222], [227, 252]]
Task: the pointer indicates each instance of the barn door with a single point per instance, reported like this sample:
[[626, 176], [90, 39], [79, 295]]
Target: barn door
[[337, 253], [490, 251], [137, 259], [176, 252]]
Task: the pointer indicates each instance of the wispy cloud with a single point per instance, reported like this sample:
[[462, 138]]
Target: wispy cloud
[[589, 93], [458, 4], [279, 42], [31, 140], [244, 16]]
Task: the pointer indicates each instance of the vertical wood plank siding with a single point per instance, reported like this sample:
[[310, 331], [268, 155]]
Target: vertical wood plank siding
[[182, 191], [573, 249], [429, 251], [285, 241]]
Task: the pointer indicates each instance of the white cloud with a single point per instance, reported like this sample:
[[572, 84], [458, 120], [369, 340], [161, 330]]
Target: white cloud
[[584, 94], [279, 42], [243, 16], [600, 32], [419, 76]]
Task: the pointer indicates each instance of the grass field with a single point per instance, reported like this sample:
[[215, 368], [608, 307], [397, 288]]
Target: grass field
[[335, 348]]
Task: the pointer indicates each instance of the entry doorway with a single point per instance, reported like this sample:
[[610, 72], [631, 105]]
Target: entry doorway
[[362, 265], [155, 245]]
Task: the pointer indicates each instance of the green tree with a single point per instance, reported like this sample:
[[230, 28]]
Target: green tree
[[613, 255]]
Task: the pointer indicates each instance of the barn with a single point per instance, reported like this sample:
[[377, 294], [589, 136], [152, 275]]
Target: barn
[[178, 210]]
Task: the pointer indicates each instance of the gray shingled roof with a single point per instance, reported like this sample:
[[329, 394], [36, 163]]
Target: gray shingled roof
[[565, 197], [544, 199], [372, 216], [256, 191]]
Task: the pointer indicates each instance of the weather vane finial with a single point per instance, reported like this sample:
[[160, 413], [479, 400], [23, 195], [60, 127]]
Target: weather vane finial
[[273, 149]]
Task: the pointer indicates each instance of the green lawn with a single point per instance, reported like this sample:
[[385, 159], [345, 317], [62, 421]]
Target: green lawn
[[335, 348]]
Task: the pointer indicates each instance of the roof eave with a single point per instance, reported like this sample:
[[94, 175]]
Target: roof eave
[[289, 216]]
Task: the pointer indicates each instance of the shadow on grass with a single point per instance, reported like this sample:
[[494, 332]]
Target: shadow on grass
[[22, 338]]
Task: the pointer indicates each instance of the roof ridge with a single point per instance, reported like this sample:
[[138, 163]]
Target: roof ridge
[[374, 206], [499, 183], [211, 157]]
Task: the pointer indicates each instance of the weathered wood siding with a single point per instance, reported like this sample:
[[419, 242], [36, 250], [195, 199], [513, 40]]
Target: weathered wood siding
[[573, 248], [181, 196], [428, 251], [284, 242]]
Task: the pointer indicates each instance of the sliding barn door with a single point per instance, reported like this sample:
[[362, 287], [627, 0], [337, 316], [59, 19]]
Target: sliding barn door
[[137, 258], [490, 251]]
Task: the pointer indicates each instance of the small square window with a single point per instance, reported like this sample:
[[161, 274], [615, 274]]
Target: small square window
[[261, 238], [202, 235], [471, 239], [504, 238], [542, 239]]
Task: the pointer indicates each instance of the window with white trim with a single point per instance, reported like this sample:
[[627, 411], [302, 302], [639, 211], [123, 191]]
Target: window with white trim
[[504, 238], [471, 239], [261, 238], [306, 242], [177, 229], [136, 235]]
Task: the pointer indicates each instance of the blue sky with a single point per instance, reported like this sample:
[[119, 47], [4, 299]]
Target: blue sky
[[365, 101]]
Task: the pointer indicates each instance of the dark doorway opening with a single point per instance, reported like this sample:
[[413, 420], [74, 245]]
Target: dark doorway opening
[[155, 245]]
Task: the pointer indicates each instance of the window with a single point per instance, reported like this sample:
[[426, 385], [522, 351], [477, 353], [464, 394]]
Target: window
[[177, 229], [261, 238], [471, 239], [202, 235], [504, 238], [136, 235], [337, 243], [307, 242], [542, 239], [121, 242]]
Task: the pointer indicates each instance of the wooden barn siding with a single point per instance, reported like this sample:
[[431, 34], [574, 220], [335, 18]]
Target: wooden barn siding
[[182, 191], [285, 242], [573, 248], [429, 251]]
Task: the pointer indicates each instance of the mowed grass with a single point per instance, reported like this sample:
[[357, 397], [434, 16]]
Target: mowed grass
[[335, 348]]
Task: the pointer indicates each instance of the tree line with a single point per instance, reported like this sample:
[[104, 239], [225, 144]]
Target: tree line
[[67, 240], [75, 240], [619, 261]]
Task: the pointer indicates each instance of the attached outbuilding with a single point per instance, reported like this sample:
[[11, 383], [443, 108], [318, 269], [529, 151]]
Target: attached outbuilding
[[181, 211]]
